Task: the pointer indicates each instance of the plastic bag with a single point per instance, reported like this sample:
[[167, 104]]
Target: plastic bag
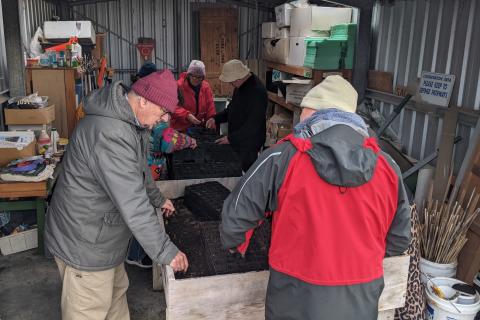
[[35, 47]]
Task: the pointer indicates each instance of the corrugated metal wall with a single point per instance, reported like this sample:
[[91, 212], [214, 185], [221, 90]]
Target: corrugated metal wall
[[170, 23], [432, 35], [3, 58], [32, 15]]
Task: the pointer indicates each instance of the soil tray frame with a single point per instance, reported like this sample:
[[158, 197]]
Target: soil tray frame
[[242, 295]]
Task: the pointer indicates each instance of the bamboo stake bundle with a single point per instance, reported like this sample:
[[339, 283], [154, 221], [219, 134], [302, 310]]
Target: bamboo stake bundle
[[444, 229]]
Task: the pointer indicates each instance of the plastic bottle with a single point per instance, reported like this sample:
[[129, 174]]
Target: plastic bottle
[[61, 59], [68, 56], [44, 142], [54, 137], [53, 59]]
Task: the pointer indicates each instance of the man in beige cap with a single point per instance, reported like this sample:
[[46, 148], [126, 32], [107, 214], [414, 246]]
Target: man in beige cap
[[338, 206], [245, 113]]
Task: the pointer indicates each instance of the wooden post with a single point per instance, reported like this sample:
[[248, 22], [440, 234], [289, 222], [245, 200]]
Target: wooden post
[[444, 162]]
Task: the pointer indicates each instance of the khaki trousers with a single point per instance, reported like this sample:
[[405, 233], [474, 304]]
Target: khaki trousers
[[99, 295]]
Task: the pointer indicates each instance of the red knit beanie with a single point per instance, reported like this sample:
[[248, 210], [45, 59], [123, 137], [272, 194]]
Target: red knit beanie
[[159, 88]]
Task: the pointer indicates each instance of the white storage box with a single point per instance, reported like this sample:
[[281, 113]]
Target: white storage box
[[19, 242], [297, 89], [297, 51], [317, 21], [276, 50], [282, 33], [282, 14], [63, 30], [269, 29]]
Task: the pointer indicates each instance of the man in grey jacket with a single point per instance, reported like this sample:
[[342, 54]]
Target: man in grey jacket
[[104, 193]]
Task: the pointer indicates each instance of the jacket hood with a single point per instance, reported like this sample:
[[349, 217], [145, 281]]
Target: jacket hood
[[111, 102], [343, 157]]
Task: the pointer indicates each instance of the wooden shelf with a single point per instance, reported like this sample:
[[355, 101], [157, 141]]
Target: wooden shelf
[[296, 70], [23, 189], [316, 75], [281, 101]]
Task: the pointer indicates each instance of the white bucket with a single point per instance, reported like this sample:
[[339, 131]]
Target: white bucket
[[440, 309], [433, 269]]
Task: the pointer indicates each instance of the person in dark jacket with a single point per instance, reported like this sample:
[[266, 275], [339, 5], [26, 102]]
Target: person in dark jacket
[[339, 206], [105, 192], [198, 105], [245, 114]]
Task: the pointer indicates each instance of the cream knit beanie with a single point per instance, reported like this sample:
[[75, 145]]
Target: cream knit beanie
[[233, 70], [333, 92]]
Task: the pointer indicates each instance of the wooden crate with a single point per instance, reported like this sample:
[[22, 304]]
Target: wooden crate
[[242, 295]]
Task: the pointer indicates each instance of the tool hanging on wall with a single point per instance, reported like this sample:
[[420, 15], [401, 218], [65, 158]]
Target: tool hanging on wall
[[146, 51], [87, 69]]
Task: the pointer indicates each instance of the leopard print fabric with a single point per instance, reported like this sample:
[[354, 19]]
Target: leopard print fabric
[[415, 302]]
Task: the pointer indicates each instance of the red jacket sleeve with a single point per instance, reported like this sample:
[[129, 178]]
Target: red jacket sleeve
[[181, 113]]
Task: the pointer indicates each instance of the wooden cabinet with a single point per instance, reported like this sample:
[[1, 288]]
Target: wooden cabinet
[[59, 85]]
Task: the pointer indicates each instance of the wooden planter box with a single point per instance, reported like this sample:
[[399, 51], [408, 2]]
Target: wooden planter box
[[242, 295]]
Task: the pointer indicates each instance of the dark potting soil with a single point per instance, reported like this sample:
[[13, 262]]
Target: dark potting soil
[[185, 232], [208, 160], [200, 241], [224, 262], [205, 200]]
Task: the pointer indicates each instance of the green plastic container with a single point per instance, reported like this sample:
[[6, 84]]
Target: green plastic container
[[348, 32], [335, 52]]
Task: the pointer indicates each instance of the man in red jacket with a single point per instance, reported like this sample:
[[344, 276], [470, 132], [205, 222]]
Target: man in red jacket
[[339, 206], [198, 105]]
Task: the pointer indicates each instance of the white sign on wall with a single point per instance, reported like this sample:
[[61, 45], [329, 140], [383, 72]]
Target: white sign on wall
[[436, 88]]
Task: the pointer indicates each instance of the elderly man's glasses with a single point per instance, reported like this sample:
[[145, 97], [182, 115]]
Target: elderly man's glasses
[[166, 113]]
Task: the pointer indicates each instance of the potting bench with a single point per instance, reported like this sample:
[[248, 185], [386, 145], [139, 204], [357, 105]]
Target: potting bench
[[242, 295], [16, 196]]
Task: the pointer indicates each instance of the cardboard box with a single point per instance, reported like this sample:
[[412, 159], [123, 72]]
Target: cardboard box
[[276, 50], [278, 127], [269, 29], [30, 116], [10, 149], [316, 21], [297, 51], [282, 15], [36, 128], [19, 242], [297, 89]]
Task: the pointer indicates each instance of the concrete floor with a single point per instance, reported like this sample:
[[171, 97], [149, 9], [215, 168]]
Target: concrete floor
[[30, 289]]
